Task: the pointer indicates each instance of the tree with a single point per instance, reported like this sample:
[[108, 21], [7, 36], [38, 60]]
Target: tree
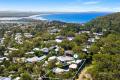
[[2, 49], [94, 49], [61, 51], [105, 67], [67, 45], [77, 49], [80, 39], [26, 76]]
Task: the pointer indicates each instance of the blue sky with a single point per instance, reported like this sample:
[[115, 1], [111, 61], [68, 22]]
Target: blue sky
[[60, 5]]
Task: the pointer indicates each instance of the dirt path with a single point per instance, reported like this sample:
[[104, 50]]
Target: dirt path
[[83, 75]]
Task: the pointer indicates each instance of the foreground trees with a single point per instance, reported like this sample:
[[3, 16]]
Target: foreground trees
[[26, 76], [105, 67]]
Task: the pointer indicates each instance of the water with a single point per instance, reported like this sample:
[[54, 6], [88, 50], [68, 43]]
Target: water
[[64, 17], [72, 17]]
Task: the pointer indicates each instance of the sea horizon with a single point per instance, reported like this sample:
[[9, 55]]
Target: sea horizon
[[80, 17], [68, 17]]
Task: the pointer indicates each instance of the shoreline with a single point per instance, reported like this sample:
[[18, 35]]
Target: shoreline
[[36, 17]]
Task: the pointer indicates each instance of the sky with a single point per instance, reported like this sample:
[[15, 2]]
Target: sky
[[60, 5]]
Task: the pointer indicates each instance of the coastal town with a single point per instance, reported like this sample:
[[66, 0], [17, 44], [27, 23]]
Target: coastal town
[[49, 50], [59, 39]]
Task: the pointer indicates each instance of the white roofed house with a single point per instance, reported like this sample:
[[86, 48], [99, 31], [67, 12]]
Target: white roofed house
[[28, 35], [30, 52], [35, 59], [12, 49], [88, 46], [70, 38], [53, 31], [73, 66], [2, 40], [74, 62], [18, 38], [52, 58], [6, 53], [97, 37], [3, 58], [36, 49], [5, 78], [65, 58], [84, 32], [59, 70], [17, 78], [84, 50], [99, 34], [59, 39], [92, 40], [45, 50]]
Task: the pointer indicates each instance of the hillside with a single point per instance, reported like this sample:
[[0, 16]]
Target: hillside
[[109, 22], [106, 51]]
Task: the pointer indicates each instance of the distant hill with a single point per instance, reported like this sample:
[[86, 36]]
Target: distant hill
[[17, 14], [110, 22]]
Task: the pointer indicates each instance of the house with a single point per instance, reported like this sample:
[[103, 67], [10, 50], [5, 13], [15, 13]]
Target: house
[[97, 37], [36, 49], [84, 50], [74, 62], [54, 31], [88, 46], [70, 38], [73, 66], [56, 48], [52, 58], [28, 35], [12, 49], [8, 33], [45, 50], [5, 78], [52, 47], [30, 52], [98, 34], [35, 59], [91, 40], [18, 38], [6, 54], [65, 58], [45, 64], [59, 39], [17, 78], [3, 58], [59, 70], [84, 32], [2, 40], [69, 53]]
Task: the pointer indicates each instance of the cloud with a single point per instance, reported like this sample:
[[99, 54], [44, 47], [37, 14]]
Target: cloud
[[117, 9], [91, 2]]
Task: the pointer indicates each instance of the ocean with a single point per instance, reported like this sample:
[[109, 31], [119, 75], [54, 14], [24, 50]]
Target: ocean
[[63, 17], [72, 17]]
